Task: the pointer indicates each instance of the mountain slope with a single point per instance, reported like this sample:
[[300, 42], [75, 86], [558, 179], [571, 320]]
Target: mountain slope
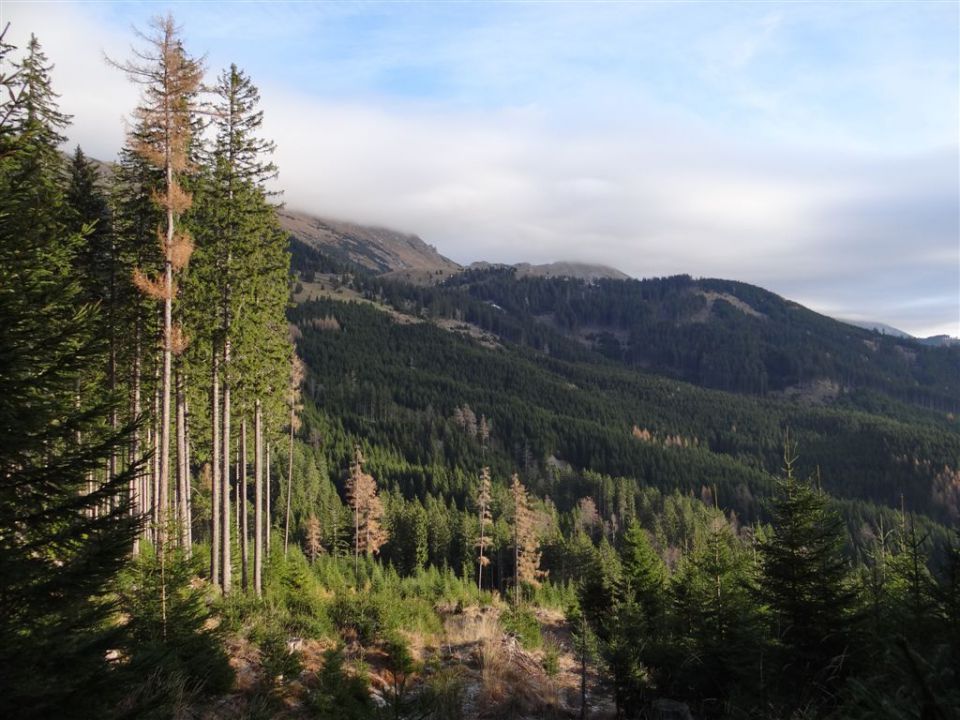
[[378, 250], [716, 333]]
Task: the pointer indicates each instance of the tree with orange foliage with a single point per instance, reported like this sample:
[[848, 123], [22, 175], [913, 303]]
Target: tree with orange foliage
[[170, 80], [369, 534], [526, 545]]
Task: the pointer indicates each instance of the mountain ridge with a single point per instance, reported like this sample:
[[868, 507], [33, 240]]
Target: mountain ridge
[[396, 255]]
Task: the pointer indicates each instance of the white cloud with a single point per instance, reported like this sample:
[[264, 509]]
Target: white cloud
[[613, 179]]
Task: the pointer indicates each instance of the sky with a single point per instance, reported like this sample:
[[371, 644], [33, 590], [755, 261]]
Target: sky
[[812, 148]]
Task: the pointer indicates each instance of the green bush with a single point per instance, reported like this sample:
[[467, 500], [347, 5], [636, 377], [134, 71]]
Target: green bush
[[522, 623], [340, 695], [277, 659], [442, 695], [359, 614], [171, 654]]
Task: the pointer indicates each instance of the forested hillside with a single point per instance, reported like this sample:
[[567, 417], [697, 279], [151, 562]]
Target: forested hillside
[[232, 487], [716, 333]]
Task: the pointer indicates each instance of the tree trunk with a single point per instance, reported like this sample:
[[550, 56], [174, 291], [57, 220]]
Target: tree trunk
[[286, 523], [163, 497], [137, 483], [269, 509], [583, 667], [242, 490], [236, 492], [257, 500], [155, 479], [516, 564], [187, 484], [215, 471], [226, 568], [182, 481]]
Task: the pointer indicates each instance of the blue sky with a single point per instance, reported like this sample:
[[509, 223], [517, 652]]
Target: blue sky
[[808, 147]]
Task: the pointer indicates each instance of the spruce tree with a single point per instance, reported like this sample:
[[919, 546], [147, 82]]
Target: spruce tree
[[804, 583], [61, 541], [242, 269], [134, 320]]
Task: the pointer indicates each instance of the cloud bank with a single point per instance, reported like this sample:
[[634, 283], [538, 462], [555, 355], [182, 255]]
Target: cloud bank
[[495, 142]]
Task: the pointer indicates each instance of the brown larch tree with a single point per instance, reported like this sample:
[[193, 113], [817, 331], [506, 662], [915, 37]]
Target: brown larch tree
[[369, 534], [526, 546], [170, 81], [314, 547]]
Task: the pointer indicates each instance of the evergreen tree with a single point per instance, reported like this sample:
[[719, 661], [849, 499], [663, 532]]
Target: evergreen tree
[[62, 542], [644, 577], [88, 209], [135, 218], [804, 583], [716, 624]]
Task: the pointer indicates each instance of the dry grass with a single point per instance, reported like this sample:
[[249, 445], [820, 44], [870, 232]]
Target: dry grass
[[513, 682]]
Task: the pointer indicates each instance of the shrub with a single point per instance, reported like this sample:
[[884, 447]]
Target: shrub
[[522, 623], [277, 659], [171, 653], [340, 695], [359, 614]]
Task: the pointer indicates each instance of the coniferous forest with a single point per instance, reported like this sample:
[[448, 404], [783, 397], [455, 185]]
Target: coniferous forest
[[240, 477]]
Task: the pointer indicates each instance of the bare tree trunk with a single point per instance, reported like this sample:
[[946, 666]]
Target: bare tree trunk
[[242, 489], [155, 447], [215, 471], [257, 500], [268, 511], [583, 667], [148, 476], [226, 568], [188, 488], [112, 367], [163, 497], [137, 483], [286, 523], [182, 480], [516, 564], [236, 491]]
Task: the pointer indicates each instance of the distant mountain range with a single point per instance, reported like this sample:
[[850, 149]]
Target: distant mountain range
[[402, 256], [407, 257]]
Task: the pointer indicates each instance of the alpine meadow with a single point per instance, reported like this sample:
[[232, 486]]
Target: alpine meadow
[[259, 460]]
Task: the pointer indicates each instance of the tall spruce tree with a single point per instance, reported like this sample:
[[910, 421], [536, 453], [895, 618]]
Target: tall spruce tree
[[135, 218], [804, 583], [61, 541], [242, 269]]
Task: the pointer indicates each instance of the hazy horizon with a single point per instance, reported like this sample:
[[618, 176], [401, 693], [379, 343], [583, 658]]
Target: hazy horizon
[[811, 149]]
